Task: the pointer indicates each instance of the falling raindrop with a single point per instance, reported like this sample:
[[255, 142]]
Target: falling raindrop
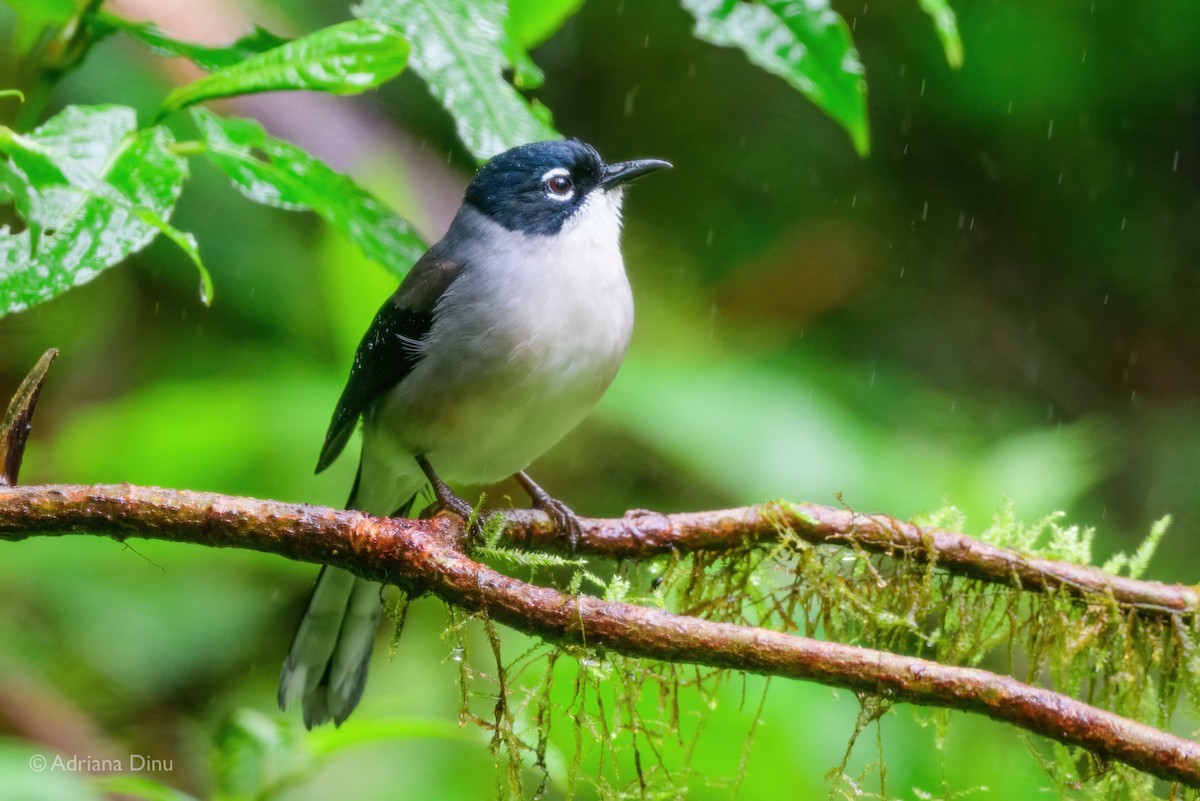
[[853, 200], [925, 211], [1175, 162], [962, 219], [1084, 59], [708, 240], [630, 96], [922, 94], [1123, 221], [1050, 130], [1010, 104]]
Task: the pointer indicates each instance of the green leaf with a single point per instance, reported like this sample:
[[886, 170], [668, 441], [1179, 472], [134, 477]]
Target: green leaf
[[526, 74], [253, 753], [528, 24], [344, 59], [17, 93], [278, 173], [35, 16], [185, 242], [531, 22], [804, 42], [207, 58], [32, 159], [459, 48], [946, 25], [117, 178], [329, 741]]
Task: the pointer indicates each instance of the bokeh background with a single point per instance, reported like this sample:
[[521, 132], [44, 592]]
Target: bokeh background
[[999, 303]]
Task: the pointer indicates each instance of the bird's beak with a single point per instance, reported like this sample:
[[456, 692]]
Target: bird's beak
[[625, 171]]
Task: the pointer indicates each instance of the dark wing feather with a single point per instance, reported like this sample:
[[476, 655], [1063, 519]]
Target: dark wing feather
[[386, 354]]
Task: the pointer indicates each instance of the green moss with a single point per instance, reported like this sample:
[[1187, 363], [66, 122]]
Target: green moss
[[628, 738]]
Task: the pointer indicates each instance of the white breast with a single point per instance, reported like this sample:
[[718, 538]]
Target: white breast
[[520, 352]]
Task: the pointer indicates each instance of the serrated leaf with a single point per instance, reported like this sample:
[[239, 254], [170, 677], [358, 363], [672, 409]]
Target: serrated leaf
[[459, 50], [209, 59], [946, 25], [344, 59], [804, 42], [116, 176], [277, 173]]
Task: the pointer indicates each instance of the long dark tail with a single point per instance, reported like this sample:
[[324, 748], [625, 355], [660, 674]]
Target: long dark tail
[[326, 667]]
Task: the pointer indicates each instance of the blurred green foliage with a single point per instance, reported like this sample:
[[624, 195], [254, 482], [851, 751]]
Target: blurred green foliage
[[998, 303]]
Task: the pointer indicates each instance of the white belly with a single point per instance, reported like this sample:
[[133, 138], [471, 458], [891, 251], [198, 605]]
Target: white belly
[[516, 358]]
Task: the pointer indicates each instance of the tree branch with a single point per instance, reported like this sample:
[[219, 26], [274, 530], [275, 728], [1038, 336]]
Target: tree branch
[[642, 534], [420, 555]]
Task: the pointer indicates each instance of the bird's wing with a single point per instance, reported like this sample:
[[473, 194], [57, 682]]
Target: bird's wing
[[389, 349]]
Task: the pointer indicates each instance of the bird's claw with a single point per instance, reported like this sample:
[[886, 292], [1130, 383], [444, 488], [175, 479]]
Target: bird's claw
[[449, 502], [564, 519]]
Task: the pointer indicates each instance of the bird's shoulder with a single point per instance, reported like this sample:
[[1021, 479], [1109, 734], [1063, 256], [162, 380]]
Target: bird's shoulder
[[391, 346]]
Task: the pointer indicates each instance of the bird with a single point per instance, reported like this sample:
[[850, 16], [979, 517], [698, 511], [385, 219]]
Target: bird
[[500, 340]]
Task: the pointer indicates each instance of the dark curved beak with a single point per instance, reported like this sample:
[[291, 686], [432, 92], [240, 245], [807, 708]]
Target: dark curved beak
[[625, 171]]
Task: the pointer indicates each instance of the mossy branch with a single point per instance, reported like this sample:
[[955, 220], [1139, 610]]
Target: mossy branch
[[421, 557], [641, 534], [425, 556]]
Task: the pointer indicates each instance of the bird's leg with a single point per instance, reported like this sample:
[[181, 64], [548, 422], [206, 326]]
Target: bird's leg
[[446, 499], [559, 512]]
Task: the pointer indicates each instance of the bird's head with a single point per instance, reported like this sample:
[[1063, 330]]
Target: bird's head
[[537, 188]]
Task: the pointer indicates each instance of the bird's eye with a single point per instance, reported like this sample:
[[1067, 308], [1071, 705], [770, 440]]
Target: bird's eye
[[560, 185]]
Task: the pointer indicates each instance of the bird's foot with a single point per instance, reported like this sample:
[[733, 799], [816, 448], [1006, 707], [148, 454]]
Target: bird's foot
[[449, 502], [565, 519]]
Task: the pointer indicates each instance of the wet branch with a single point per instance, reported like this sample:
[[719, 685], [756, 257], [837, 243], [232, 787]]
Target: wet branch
[[424, 556], [421, 556], [641, 534]]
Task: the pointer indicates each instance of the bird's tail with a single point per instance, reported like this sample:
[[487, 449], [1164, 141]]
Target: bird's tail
[[326, 667]]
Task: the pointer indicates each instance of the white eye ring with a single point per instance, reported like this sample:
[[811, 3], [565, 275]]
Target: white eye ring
[[559, 185]]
